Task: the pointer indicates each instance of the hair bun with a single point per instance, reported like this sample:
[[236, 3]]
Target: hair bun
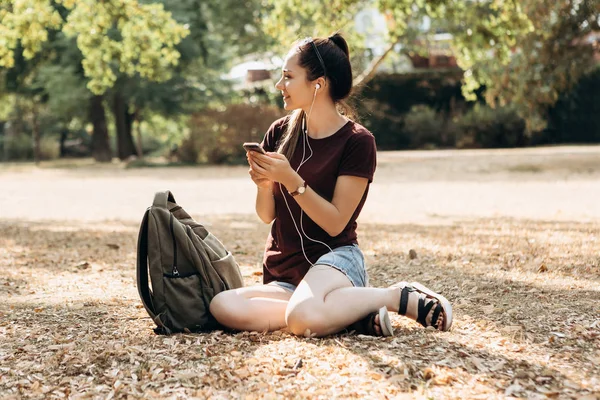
[[340, 42]]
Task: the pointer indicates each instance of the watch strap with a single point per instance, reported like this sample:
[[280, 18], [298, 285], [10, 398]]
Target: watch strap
[[297, 191]]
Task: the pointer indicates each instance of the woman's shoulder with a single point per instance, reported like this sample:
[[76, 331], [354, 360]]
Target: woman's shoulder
[[275, 133], [279, 125], [360, 134]]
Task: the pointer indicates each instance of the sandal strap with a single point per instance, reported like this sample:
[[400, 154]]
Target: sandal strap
[[365, 326], [424, 310], [436, 313], [404, 299]]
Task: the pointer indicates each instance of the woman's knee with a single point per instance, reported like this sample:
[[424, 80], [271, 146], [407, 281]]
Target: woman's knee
[[226, 307], [306, 318]]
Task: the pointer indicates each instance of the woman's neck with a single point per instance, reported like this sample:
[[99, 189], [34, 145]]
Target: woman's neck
[[324, 121]]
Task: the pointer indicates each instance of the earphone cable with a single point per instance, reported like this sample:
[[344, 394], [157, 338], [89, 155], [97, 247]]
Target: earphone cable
[[302, 162]]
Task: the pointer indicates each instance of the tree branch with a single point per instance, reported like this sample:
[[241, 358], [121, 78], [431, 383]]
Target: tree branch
[[369, 72]]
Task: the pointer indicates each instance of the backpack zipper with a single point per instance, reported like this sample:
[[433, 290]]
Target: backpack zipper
[[175, 271]]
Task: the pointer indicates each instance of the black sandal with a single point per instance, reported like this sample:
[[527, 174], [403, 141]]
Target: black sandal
[[428, 300], [366, 326]]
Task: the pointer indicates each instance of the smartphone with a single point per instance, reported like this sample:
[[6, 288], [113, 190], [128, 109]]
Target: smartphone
[[253, 146]]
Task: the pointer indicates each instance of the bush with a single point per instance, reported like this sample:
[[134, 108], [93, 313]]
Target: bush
[[419, 110], [18, 147], [386, 101], [485, 127], [575, 118], [440, 90], [385, 124], [425, 127], [216, 135], [49, 148]]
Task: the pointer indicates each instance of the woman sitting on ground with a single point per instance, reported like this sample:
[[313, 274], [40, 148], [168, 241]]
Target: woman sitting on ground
[[312, 184]]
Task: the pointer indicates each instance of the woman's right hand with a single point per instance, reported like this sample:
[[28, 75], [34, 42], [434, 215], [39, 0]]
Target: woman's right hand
[[261, 181]]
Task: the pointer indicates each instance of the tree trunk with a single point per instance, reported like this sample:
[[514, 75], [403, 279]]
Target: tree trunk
[[63, 138], [138, 130], [15, 128], [35, 128], [125, 146], [100, 142]]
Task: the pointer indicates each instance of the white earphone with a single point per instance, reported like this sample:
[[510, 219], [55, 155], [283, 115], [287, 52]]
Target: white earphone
[[318, 86]]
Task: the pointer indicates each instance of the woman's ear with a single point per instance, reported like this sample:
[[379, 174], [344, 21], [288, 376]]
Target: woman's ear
[[321, 82]]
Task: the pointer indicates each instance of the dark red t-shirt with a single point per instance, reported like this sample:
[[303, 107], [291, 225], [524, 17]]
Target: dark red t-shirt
[[349, 151]]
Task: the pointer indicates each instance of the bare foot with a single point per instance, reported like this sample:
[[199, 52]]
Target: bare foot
[[377, 325]]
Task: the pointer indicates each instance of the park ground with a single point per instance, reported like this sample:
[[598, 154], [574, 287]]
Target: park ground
[[511, 237]]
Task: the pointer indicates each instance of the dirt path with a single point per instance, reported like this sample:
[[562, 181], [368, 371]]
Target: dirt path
[[512, 238], [560, 183]]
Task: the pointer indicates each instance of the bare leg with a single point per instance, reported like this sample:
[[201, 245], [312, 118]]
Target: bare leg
[[256, 308], [325, 302]]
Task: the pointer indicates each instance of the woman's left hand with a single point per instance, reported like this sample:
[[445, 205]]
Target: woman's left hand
[[274, 166]]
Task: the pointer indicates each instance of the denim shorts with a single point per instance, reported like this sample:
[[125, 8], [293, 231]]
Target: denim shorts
[[349, 260]]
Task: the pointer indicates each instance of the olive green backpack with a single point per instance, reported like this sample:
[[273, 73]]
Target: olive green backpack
[[188, 266]]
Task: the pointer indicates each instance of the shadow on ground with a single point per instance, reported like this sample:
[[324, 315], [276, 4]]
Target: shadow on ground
[[525, 296]]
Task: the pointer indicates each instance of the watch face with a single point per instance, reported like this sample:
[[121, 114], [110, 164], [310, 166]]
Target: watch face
[[301, 189]]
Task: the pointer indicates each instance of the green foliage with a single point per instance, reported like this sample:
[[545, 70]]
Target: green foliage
[[66, 89], [546, 59], [6, 106], [114, 36], [524, 52], [17, 147], [486, 127], [138, 38], [49, 148], [217, 135], [385, 123], [386, 99], [575, 118], [20, 148], [427, 110], [425, 127], [401, 91], [296, 19], [165, 131], [25, 23], [162, 58]]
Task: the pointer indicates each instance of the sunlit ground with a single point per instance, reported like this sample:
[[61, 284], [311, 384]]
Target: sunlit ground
[[512, 238]]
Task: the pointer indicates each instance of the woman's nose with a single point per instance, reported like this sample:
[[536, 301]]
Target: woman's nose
[[278, 84]]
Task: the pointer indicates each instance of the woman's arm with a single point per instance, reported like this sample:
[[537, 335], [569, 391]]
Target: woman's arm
[[332, 216], [265, 204]]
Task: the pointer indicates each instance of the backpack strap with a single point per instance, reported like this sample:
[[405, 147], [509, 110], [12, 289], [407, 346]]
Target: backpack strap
[[161, 199], [142, 272]]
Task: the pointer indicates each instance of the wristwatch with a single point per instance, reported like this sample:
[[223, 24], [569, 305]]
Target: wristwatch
[[301, 189]]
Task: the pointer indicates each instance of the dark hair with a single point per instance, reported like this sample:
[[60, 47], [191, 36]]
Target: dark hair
[[337, 71]]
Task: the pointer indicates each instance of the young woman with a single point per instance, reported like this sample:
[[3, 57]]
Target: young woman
[[312, 184]]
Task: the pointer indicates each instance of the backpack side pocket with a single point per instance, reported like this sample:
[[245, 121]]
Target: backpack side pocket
[[228, 271], [185, 300]]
